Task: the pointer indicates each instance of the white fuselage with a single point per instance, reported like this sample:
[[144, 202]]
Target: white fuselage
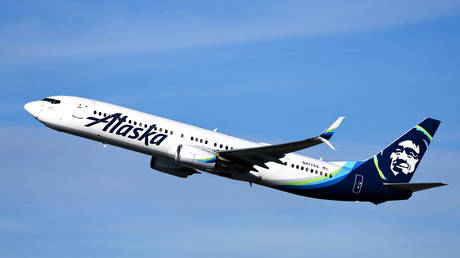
[[72, 115]]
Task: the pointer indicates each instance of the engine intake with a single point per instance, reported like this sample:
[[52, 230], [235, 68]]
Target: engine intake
[[170, 167], [196, 157]]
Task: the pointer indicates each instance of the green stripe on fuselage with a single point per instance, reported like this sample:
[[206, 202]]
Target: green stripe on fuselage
[[306, 182]]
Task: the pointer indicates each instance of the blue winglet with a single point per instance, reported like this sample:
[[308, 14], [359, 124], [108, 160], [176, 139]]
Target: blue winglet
[[327, 134]]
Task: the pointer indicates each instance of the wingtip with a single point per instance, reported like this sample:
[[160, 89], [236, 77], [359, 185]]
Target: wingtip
[[327, 134], [339, 120], [336, 124], [326, 142]]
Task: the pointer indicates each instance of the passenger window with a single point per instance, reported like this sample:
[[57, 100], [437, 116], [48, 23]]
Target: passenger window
[[191, 138], [292, 165], [206, 142], [95, 112], [201, 140], [105, 114], [226, 147], [135, 123], [301, 168], [297, 166], [221, 146], [166, 130], [182, 136], [140, 124], [145, 125], [100, 113], [171, 132], [161, 129], [215, 144], [129, 121]]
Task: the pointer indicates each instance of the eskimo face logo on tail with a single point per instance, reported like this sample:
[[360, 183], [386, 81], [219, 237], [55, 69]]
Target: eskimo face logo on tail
[[405, 157], [399, 161], [115, 121]]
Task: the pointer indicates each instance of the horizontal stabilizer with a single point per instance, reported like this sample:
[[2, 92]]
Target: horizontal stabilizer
[[412, 187]]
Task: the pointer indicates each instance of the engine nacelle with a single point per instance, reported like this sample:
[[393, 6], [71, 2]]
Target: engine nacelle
[[170, 167], [196, 157]]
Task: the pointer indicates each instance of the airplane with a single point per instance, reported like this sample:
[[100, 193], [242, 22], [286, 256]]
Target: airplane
[[182, 150]]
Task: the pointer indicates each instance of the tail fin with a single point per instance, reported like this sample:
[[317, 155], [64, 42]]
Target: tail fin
[[398, 161]]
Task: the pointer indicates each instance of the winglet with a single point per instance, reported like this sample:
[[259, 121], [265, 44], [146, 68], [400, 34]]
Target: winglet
[[327, 134], [326, 142]]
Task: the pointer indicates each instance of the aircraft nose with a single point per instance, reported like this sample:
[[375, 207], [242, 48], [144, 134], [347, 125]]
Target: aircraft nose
[[33, 108]]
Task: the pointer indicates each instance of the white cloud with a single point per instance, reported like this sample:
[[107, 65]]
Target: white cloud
[[72, 30]]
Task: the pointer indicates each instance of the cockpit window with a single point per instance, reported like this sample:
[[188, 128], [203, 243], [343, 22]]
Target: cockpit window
[[52, 101]]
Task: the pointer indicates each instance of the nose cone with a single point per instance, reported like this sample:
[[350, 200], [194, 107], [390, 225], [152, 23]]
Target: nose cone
[[33, 108]]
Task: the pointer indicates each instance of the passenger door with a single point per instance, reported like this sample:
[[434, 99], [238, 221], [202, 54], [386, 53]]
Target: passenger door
[[358, 184], [80, 108]]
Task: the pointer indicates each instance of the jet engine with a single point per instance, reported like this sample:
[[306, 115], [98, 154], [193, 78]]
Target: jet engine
[[170, 167], [196, 157]]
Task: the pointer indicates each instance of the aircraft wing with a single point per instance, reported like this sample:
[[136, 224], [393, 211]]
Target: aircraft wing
[[261, 154]]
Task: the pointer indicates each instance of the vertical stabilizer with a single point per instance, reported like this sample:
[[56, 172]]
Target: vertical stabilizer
[[397, 162]]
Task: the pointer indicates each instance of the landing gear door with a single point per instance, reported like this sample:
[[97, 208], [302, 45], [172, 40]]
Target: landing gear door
[[80, 108], [358, 184]]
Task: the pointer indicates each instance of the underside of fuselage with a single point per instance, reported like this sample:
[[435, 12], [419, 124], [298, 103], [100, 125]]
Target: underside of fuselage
[[333, 194]]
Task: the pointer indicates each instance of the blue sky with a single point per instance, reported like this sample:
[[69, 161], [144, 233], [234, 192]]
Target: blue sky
[[269, 71]]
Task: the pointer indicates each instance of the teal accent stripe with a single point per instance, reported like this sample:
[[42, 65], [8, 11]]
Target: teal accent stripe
[[418, 127], [331, 130], [208, 160]]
